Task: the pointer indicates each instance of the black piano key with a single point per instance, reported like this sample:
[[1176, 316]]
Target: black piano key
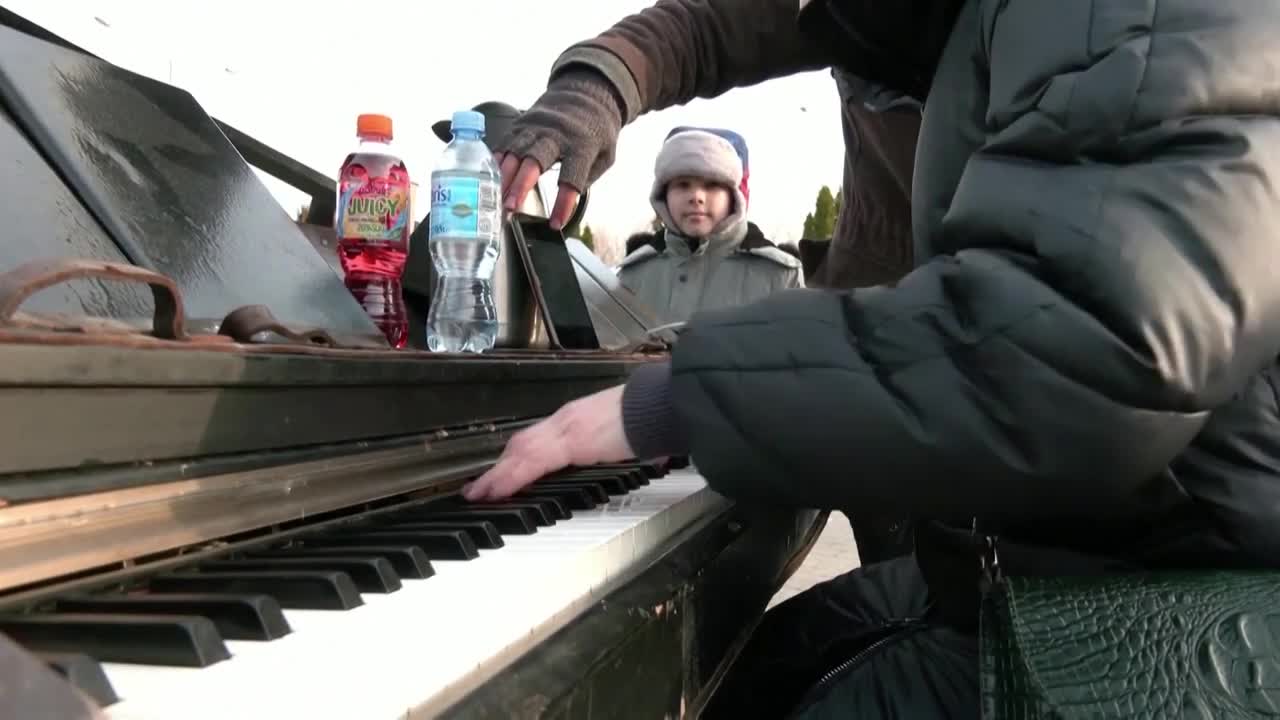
[[371, 575], [237, 617], [653, 470], [84, 673], [633, 476], [516, 521], [630, 479], [409, 561], [182, 640], [300, 589], [650, 469], [438, 544], [626, 478], [482, 532], [678, 462], [606, 486], [598, 492], [538, 513], [546, 512], [571, 498], [550, 505]]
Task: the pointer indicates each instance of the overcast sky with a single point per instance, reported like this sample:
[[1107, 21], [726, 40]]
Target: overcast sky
[[295, 73]]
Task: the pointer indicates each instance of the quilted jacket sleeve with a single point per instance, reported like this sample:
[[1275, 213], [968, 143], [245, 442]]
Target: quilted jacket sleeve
[[1107, 273]]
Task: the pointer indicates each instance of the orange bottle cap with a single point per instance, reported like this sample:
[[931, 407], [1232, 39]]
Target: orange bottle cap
[[373, 124]]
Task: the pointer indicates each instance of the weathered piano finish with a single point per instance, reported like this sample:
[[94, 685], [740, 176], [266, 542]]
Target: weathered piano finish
[[194, 528]]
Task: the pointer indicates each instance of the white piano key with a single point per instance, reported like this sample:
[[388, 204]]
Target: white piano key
[[422, 647]]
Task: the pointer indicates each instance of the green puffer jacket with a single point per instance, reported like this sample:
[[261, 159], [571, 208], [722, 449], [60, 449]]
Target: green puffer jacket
[[1085, 355]]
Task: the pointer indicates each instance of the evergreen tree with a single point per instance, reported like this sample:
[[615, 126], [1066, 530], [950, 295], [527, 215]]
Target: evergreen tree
[[587, 238], [821, 223], [824, 213], [809, 233]]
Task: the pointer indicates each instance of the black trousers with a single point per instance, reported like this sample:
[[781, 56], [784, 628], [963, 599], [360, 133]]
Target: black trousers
[[906, 663]]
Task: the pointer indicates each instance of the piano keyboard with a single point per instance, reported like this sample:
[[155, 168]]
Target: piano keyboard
[[398, 617]]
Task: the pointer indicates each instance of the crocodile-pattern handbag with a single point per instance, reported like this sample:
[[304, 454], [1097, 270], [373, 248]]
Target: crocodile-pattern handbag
[[1182, 645]]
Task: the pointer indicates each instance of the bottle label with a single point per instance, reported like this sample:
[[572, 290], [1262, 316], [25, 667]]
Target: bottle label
[[464, 206], [375, 209]]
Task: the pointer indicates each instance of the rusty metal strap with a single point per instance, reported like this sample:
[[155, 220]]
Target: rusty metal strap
[[244, 322], [168, 319], [237, 329], [22, 282]]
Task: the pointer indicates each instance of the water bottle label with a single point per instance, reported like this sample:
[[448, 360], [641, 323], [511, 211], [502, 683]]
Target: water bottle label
[[374, 209], [464, 206]]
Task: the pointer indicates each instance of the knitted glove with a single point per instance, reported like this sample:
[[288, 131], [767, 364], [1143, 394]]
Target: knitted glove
[[576, 121]]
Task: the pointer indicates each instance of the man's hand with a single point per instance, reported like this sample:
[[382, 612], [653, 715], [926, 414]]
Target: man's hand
[[584, 432], [575, 122], [518, 178]]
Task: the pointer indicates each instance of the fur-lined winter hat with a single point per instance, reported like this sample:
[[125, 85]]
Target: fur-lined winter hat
[[739, 144], [701, 153]]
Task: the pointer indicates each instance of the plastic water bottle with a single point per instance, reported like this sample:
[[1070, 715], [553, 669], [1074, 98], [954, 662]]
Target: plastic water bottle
[[466, 225], [372, 225]]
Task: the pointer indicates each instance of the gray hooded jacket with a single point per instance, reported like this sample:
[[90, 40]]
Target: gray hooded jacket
[[676, 278]]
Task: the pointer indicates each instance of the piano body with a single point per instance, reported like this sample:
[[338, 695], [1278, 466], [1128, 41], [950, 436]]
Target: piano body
[[265, 524]]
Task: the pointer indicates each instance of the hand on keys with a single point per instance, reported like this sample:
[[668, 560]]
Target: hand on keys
[[584, 432]]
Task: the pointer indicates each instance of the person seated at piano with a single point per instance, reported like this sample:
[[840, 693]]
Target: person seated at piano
[[1085, 355], [707, 255]]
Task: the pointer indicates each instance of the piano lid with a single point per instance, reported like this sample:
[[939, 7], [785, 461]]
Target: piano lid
[[169, 188], [44, 218]]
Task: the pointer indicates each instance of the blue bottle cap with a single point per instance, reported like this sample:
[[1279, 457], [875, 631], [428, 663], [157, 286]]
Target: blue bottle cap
[[468, 120]]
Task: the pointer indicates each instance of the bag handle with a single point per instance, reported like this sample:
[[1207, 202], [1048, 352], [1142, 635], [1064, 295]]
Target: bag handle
[[20, 283]]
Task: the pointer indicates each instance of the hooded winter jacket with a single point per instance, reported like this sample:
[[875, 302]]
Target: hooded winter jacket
[[1085, 354], [676, 278]]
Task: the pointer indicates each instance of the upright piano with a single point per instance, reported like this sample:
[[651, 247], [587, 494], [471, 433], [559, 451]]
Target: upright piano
[[203, 520]]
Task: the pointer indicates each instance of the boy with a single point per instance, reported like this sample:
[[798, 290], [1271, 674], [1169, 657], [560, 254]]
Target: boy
[[707, 255]]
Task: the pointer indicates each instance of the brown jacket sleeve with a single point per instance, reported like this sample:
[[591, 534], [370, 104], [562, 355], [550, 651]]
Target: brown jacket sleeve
[[678, 50], [872, 240]]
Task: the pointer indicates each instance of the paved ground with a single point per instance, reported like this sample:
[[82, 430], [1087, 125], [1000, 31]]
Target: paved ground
[[833, 554]]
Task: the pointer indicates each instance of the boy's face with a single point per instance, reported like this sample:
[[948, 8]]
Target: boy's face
[[697, 206]]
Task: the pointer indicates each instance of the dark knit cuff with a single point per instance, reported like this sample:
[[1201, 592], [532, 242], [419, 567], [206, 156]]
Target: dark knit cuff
[[648, 414]]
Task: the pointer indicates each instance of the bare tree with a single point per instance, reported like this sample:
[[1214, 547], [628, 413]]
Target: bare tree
[[607, 247]]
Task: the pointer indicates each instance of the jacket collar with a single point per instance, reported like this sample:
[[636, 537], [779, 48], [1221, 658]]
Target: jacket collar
[[655, 244], [754, 239]]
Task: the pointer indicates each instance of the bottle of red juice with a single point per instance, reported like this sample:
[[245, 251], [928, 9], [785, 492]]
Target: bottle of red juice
[[372, 224]]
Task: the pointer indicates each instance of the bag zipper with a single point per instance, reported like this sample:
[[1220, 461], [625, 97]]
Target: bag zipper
[[992, 574], [896, 630]]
